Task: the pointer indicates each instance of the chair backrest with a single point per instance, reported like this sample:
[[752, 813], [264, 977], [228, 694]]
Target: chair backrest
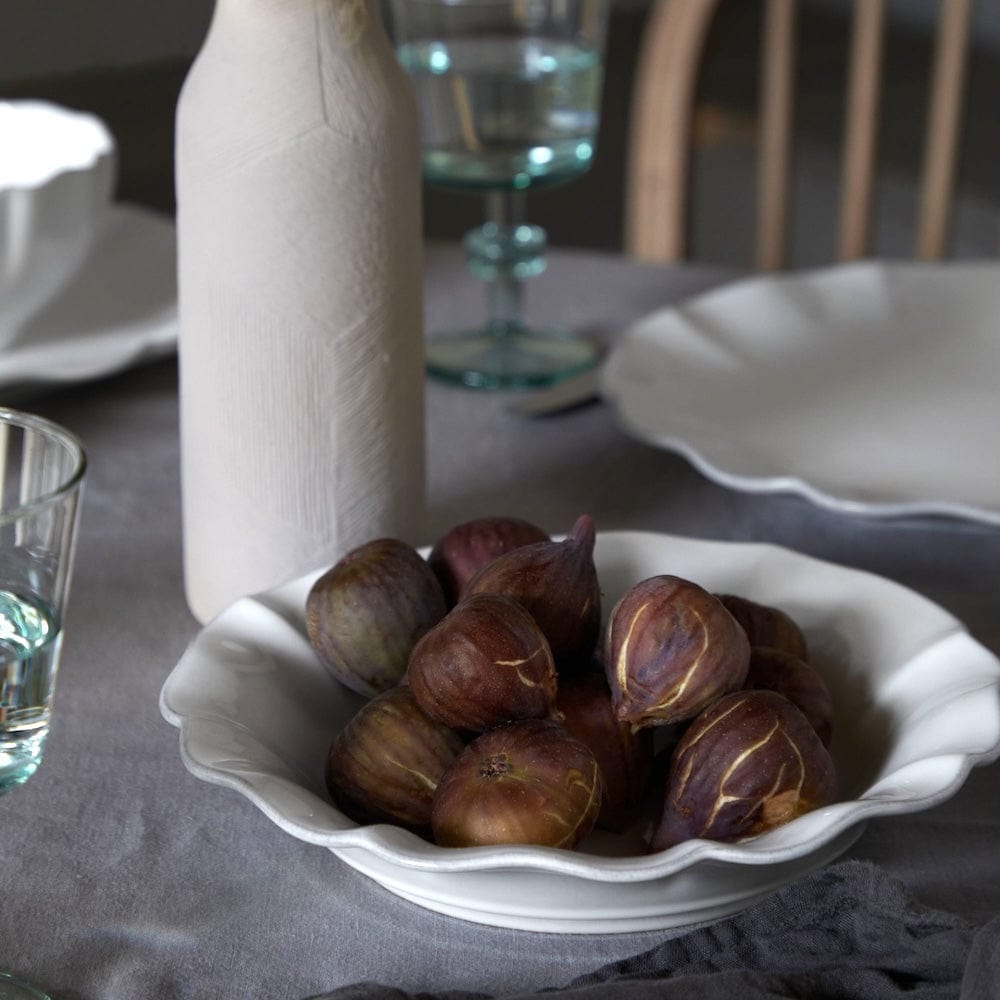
[[661, 116]]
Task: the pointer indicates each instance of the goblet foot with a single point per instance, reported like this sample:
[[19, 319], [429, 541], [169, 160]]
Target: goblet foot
[[19, 759], [14, 989], [511, 359]]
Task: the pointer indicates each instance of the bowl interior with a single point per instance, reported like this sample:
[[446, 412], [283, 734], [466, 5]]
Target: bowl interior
[[915, 706]]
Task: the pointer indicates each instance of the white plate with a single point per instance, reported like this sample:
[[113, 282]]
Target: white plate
[[119, 309], [916, 707], [869, 388]]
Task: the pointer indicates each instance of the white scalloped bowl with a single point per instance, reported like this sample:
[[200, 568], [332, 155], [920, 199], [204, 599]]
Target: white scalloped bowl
[[916, 702], [57, 173]]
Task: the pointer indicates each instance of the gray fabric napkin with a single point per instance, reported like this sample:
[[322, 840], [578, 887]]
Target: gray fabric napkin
[[848, 932]]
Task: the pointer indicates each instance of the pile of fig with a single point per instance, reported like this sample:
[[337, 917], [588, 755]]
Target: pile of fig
[[503, 709]]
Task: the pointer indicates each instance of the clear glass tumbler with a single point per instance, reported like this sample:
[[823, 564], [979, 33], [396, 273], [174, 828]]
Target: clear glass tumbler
[[42, 469]]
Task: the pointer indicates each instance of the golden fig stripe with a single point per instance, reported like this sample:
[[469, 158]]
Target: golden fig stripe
[[684, 774], [526, 681], [621, 664], [419, 775], [679, 687], [759, 801], [593, 789]]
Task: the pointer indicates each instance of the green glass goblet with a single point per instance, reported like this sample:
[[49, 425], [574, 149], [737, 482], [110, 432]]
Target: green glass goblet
[[509, 97]]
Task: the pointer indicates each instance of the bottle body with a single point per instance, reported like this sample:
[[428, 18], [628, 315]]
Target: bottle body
[[300, 296]]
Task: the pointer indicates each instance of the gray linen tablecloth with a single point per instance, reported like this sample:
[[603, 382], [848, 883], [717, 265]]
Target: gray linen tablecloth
[[123, 877]]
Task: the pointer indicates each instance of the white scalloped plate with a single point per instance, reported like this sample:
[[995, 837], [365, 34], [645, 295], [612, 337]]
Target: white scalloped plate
[[119, 310], [869, 388], [916, 707]]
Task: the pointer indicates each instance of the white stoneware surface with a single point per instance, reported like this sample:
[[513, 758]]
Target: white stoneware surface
[[120, 308], [869, 388], [300, 291], [915, 701]]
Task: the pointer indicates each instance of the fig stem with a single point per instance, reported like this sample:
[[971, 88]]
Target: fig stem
[[495, 767]]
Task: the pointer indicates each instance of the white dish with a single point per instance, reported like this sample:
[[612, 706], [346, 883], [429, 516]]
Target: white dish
[[119, 309], [869, 388], [57, 172], [916, 707]]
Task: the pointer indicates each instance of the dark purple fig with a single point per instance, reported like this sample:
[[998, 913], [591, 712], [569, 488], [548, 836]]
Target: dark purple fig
[[671, 649], [529, 782], [624, 754], [800, 683], [484, 664], [385, 764], [366, 613], [767, 626], [557, 583], [749, 763], [464, 550]]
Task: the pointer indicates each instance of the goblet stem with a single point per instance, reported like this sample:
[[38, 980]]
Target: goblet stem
[[504, 252], [505, 352]]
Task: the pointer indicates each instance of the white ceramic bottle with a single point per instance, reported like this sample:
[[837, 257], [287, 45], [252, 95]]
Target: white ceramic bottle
[[300, 295]]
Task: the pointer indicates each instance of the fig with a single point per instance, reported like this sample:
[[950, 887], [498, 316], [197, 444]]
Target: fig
[[556, 582], [624, 754], [803, 685], [529, 782], [365, 614], [385, 764], [767, 626], [747, 764], [466, 548], [485, 663], [671, 649]]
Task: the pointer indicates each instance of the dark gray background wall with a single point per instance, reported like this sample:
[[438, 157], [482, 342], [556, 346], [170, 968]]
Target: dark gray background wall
[[126, 60]]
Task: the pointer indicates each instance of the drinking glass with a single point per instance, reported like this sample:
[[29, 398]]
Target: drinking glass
[[42, 469], [509, 96], [14, 989]]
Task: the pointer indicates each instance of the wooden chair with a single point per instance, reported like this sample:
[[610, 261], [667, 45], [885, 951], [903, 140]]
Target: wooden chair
[[661, 116]]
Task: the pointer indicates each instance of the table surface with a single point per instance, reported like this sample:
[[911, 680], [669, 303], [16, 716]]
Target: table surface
[[123, 876]]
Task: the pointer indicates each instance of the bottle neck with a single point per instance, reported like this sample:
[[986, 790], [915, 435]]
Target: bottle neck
[[259, 28], [345, 12]]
